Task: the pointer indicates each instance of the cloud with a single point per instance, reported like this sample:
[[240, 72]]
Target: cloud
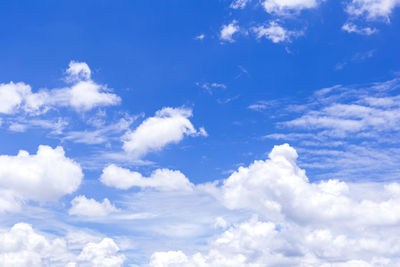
[[160, 179], [262, 105], [228, 31], [352, 28], [200, 37], [83, 206], [102, 134], [170, 258], [239, 4], [44, 176], [12, 96], [83, 94], [275, 32], [371, 9], [47, 175], [282, 7], [78, 71], [297, 222], [102, 254], [347, 131], [22, 246], [209, 87], [169, 125]]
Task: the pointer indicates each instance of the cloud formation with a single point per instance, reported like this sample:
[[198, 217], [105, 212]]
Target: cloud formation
[[228, 31], [83, 206], [371, 9], [83, 94], [352, 28], [275, 32], [342, 130], [44, 176], [160, 179], [297, 222], [102, 254], [282, 7], [23, 246], [169, 125]]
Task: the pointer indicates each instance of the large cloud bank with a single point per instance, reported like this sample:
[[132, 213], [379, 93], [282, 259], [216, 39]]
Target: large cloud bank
[[296, 222]]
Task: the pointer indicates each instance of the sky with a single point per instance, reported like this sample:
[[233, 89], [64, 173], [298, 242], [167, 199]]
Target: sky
[[200, 133]]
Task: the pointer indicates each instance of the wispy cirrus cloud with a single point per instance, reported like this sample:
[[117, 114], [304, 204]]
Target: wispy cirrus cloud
[[349, 124]]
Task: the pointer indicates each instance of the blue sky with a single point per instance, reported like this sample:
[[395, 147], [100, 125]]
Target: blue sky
[[159, 133]]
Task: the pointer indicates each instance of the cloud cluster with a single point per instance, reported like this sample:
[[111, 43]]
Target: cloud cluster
[[44, 176], [371, 9], [169, 125], [299, 223], [83, 206], [160, 179], [342, 129], [228, 31], [23, 246], [282, 7], [275, 32], [360, 14], [83, 94], [102, 254]]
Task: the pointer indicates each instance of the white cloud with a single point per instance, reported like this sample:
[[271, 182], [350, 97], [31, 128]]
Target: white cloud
[[262, 105], [298, 222], [102, 134], [83, 94], [47, 175], [170, 258], [83, 206], [352, 28], [209, 87], [348, 131], [22, 246], [169, 125], [160, 179], [239, 4], [12, 96], [78, 71], [17, 127], [228, 31], [371, 9], [102, 254], [200, 37], [282, 7], [275, 33]]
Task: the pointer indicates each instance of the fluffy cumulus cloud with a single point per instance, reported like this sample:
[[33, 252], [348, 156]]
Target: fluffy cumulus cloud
[[169, 125], [160, 179], [12, 96], [275, 32], [102, 254], [83, 94], [285, 6], [299, 223], [228, 31], [46, 175], [22, 246], [371, 9], [83, 206]]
